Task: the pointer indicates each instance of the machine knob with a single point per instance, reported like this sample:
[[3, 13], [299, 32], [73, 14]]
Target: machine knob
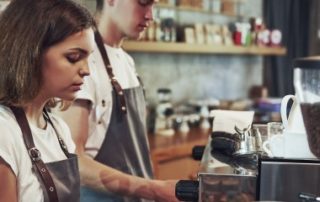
[[187, 190], [197, 152]]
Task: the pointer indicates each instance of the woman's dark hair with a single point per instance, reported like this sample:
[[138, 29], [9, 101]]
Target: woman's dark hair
[[27, 29]]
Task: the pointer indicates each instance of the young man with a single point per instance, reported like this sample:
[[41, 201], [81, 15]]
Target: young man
[[107, 119]]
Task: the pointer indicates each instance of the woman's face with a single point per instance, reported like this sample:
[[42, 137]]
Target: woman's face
[[65, 64]]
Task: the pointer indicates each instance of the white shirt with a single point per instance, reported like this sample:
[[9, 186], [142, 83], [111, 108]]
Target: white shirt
[[13, 151], [98, 89]]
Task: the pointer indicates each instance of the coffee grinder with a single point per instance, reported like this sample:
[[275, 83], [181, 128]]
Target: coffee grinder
[[307, 86], [164, 112]]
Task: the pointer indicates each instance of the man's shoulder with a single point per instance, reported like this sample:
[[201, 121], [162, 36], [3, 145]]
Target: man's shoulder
[[128, 58]]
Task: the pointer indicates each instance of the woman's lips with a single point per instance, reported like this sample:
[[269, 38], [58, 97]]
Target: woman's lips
[[76, 87]]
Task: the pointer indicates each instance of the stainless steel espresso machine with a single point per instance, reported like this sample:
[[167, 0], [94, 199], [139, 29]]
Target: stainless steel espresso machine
[[250, 176]]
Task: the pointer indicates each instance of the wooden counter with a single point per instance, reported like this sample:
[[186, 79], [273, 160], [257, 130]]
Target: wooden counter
[[171, 155]]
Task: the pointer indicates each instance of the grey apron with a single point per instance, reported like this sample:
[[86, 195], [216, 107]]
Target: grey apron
[[125, 145], [64, 173]]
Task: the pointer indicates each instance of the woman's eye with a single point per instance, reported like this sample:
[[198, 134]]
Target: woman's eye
[[73, 58], [145, 2]]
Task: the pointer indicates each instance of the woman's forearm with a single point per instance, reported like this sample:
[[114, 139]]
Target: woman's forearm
[[104, 178]]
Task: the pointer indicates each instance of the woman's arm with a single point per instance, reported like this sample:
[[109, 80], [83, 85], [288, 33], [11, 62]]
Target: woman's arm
[[8, 183], [104, 178]]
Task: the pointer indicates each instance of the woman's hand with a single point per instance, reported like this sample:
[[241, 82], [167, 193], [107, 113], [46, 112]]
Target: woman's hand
[[165, 190]]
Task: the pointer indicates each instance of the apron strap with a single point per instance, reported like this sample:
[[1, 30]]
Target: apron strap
[[61, 141], [35, 154], [118, 89]]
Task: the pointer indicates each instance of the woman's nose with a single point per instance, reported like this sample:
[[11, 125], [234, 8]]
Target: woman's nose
[[84, 69]]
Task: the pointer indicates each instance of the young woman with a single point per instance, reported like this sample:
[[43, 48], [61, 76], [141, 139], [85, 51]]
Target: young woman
[[107, 119], [44, 47]]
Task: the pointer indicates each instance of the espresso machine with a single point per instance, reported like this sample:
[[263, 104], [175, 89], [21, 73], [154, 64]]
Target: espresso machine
[[250, 177], [244, 173]]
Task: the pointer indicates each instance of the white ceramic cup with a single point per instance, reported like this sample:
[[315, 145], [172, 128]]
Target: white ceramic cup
[[288, 145], [274, 146]]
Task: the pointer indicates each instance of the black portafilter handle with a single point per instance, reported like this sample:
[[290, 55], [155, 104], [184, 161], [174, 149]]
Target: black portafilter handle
[[187, 190], [197, 152]]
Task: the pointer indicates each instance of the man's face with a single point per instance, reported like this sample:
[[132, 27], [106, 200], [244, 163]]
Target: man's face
[[133, 16]]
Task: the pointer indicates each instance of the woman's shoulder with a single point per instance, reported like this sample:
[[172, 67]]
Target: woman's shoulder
[[7, 119], [11, 142], [11, 133]]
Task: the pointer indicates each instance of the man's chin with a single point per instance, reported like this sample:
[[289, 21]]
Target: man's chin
[[135, 36]]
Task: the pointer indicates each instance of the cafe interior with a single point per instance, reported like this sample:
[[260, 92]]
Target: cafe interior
[[232, 90]]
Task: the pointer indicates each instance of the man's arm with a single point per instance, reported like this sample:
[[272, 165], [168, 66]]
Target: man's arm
[[104, 178]]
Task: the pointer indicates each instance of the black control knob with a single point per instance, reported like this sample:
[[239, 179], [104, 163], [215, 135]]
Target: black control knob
[[197, 152], [187, 190]]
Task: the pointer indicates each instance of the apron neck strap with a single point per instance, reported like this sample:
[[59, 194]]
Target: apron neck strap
[[116, 86], [61, 142], [35, 154]]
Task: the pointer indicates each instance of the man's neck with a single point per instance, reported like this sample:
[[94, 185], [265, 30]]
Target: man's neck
[[112, 41], [110, 33]]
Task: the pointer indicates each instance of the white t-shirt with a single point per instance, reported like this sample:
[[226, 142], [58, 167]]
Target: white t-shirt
[[98, 89], [14, 152]]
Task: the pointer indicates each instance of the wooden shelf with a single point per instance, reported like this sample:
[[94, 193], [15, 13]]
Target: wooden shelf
[[164, 47], [200, 10], [194, 9]]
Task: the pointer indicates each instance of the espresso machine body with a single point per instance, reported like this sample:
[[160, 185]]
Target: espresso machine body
[[286, 179], [224, 186], [223, 179], [252, 178]]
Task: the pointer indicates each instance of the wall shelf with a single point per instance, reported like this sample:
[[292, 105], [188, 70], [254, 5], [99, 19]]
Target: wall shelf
[[164, 47], [194, 9], [199, 9]]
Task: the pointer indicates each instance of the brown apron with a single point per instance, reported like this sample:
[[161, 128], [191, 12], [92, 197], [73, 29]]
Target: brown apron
[[125, 146], [60, 179]]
